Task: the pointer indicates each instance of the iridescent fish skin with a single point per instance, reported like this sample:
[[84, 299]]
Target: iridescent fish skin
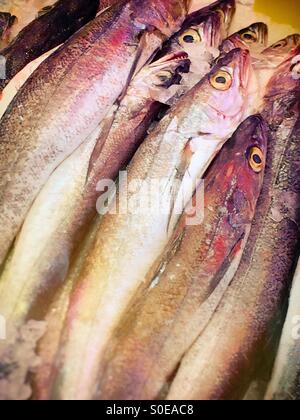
[[6, 22], [166, 318], [166, 155], [92, 67], [222, 362], [49, 30]]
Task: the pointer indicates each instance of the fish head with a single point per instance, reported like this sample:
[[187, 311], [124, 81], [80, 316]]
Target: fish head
[[225, 89], [254, 38], [202, 31], [166, 16], [240, 169], [283, 47], [155, 79], [286, 79]]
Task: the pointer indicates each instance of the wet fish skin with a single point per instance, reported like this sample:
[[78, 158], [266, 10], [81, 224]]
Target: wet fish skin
[[66, 205], [110, 266], [83, 71], [166, 318], [282, 47], [65, 18], [222, 362]]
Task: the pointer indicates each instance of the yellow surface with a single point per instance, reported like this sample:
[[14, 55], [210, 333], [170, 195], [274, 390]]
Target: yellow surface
[[280, 11], [282, 16]]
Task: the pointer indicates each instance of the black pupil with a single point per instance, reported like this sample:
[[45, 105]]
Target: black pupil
[[221, 80], [277, 46], [257, 159], [189, 39], [248, 36]]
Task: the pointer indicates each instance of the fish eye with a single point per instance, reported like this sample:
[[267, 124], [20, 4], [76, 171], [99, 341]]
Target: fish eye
[[222, 80], [249, 37], [296, 68], [190, 36], [280, 44], [256, 159], [163, 77]]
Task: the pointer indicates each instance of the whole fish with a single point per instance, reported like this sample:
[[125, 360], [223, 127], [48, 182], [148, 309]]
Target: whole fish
[[254, 38], [221, 363], [200, 37], [285, 380], [6, 22], [201, 121], [51, 116], [51, 28], [67, 203], [166, 318]]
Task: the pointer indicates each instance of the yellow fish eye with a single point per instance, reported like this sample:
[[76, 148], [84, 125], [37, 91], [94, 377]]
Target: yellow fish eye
[[256, 159], [249, 37], [163, 77], [222, 80], [190, 36]]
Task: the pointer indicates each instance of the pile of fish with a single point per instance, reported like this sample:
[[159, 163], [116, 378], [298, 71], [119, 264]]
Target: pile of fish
[[180, 290]]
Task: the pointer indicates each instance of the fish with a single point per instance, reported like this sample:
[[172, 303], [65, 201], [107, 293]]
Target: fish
[[283, 47], [165, 319], [254, 38], [223, 360], [65, 17], [18, 81], [112, 271], [6, 22], [200, 37], [66, 205], [92, 67], [284, 383]]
